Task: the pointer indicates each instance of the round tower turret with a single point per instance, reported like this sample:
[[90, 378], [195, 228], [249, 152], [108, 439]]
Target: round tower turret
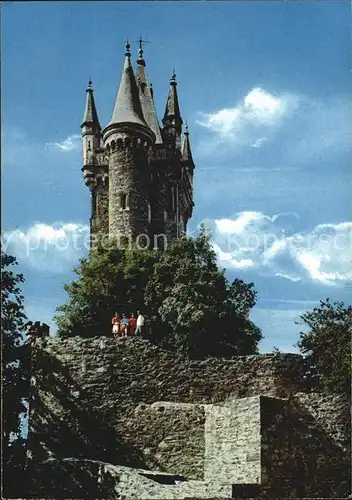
[[127, 140]]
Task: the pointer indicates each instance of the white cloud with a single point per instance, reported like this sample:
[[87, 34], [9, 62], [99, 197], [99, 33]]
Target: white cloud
[[71, 143], [55, 248], [256, 240], [259, 142], [288, 128], [260, 111], [288, 277]]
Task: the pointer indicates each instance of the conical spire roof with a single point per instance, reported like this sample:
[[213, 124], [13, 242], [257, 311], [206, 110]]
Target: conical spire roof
[[186, 148], [127, 105], [146, 97], [172, 110], [90, 113]]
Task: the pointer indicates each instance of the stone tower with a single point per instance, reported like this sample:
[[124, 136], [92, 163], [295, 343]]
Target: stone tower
[[95, 168], [140, 175]]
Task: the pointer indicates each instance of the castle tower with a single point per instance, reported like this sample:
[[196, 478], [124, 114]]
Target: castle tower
[[169, 181], [94, 166], [127, 140], [139, 175]]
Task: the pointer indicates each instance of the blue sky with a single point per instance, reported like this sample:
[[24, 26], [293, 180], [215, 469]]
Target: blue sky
[[265, 88]]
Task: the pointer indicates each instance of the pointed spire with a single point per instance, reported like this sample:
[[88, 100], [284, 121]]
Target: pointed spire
[[146, 96], [186, 148], [172, 110], [127, 107], [90, 113]]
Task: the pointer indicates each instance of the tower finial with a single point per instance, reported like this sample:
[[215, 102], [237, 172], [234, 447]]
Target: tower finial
[[140, 52], [186, 132], [89, 84], [140, 59], [173, 76], [128, 46]]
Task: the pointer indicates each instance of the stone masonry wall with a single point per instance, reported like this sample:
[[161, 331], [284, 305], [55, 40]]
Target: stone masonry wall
[[332, 412], [171, 437], [102, 210], [129, 174], [76, 478], [232, 442], [87, 390], [298, 457], [132, 404]]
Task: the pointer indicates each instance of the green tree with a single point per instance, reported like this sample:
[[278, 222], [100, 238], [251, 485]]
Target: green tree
[[14, 372], [110, 280], [327, 345], [195, 307], [188, 302]]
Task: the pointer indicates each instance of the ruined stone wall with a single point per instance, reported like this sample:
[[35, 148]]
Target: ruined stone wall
[[171, 437], [129, 403], [332, 412], [298, 457], [85, 395], [72, 478], [232, 442]]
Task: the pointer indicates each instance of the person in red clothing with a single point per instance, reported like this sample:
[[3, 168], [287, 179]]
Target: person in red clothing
[[115, 325], [133, 324]]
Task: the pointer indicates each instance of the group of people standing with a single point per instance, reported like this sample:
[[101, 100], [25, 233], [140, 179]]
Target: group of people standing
[[122, 326]]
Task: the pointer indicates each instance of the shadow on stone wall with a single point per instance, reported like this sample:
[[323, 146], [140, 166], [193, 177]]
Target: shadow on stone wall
[[300, 458], [72, 478], [64, 413]]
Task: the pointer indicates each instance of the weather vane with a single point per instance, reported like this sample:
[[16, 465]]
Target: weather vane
[[140, 41]]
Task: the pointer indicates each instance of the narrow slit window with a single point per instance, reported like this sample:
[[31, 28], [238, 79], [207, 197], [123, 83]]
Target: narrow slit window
[[149, 211], [124, 201]]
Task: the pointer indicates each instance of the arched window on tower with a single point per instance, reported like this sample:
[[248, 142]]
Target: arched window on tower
[[124, 201]]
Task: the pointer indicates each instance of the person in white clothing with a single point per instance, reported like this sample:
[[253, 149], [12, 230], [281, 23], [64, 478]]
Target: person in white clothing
[[140, 323]]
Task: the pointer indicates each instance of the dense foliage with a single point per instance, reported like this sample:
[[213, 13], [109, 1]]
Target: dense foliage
[[327, 345], [188, 302], [14, 372]]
